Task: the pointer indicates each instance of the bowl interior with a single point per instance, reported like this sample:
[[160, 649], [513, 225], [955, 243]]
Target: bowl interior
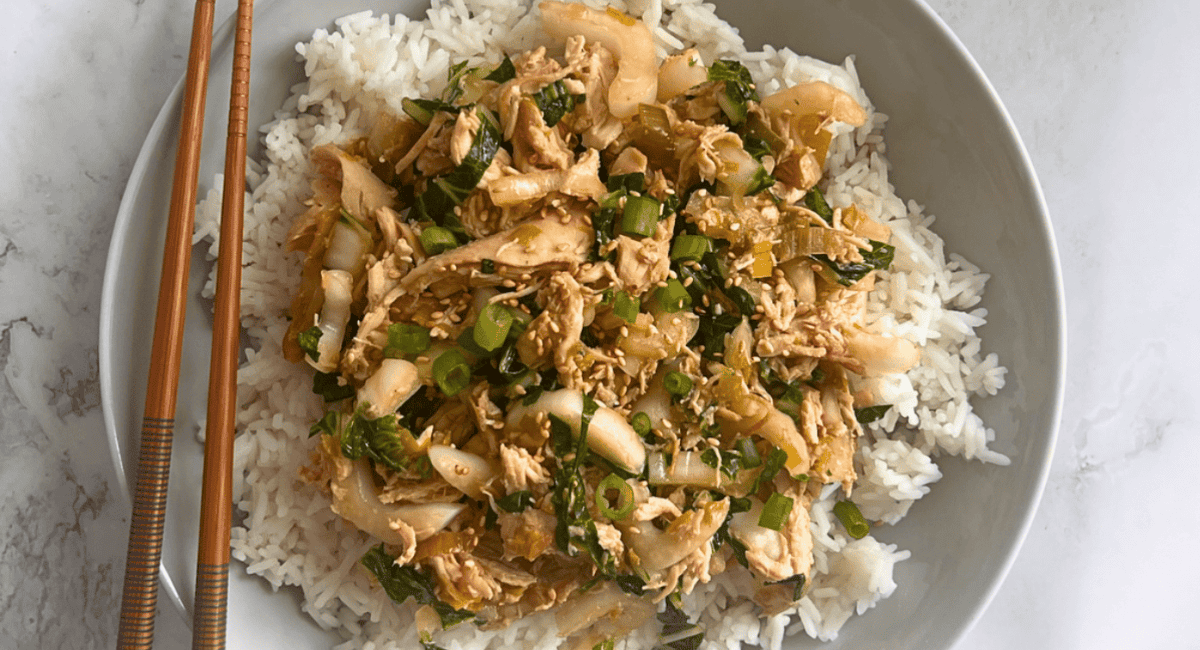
[[952, 148]]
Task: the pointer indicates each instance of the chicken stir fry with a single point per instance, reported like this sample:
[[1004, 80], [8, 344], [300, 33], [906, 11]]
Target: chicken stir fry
[[586, 330]]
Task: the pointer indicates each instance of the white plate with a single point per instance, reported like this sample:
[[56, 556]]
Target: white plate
[[953, 148]]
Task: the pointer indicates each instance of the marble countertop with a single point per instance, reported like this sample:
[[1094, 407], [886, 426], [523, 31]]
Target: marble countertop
[[1099, 89]]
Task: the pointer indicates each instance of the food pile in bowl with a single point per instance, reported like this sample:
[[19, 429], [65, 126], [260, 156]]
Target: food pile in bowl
[[589, 330]]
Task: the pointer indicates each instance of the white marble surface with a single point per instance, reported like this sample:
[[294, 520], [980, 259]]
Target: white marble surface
[[1103, 92]]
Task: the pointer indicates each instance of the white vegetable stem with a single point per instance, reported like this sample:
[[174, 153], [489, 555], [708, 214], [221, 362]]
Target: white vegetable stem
[[348, 247], [608, 434], [335, 313], [390, 386], [355, 499], [465, 471]]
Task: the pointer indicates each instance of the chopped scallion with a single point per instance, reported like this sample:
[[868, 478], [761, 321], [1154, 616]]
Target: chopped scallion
[[633, 182], [852, 518], [750, 457], [309, 340], [641, 423], [677, 384], [626, 307], [690, 247], [405, 339], [640, 216], [776, 511], [492, 326], [451, 372], [624, 502], [436, 240], [674, 297]]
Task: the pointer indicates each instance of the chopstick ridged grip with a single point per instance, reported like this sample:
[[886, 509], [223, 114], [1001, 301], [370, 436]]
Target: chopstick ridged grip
[[139, 597], [216, 502]]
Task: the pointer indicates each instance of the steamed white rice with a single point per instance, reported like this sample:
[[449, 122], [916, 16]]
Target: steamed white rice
[[366, 65]]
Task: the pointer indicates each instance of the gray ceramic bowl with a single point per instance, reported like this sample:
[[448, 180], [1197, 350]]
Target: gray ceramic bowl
[[953, 149]]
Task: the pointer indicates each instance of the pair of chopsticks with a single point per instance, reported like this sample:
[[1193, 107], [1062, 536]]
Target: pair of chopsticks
[[140, 592]]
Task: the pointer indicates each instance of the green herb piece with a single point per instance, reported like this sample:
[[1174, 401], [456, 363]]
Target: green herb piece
[[443, 194], [630, 584], [678, 385], [712, 330], [878, 258], [626, 307], [641, 423], [869, 414], [775, 461], [330, 424], [405, 339], [640, 216], [796, 582], [555, 101], [760, 181], [451, 372], [690, 247], [852, 518], [632, 182], [309, 340], [750, 457], [738, 89], [624, 502], [422, 110], [487, 266], [673, 297], [506, 71], [381, 439], [403, 582], [607, 644], [729, 461], [756, 146], [776, 511], [327, 386], [516, 502], [678, 632], [602, 224], [466, 341], [814, 200], [509, 365], [418, 408], [437, 240], [492, 326], [569, 495]]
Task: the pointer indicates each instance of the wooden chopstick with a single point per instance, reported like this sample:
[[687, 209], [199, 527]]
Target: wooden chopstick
[[216, 501], [139, 597]]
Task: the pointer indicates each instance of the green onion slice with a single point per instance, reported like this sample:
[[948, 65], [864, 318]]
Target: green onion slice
[[852, 518], [436, 240], [641, 423], [492, 326], [674, 297], [690, 247], [640, 216], [624, 502], [451, 372], [677, 383], [405, 339], [750, 456], [776, 511], [626, 307]]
